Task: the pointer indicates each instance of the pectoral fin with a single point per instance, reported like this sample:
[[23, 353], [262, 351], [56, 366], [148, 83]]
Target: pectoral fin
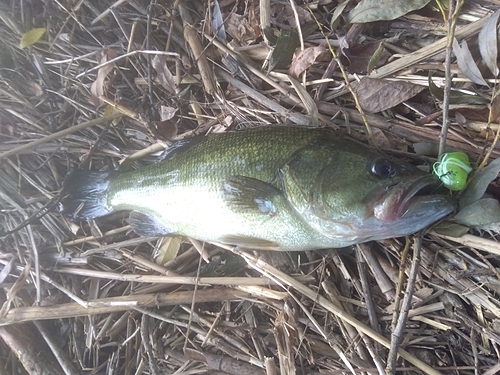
[[249, 242], [251, 195], [147, 225]]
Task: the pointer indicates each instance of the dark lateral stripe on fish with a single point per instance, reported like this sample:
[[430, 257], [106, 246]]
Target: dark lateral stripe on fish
[[84, 194]]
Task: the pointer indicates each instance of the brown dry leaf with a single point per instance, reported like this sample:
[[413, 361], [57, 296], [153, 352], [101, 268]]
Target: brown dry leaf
[[168, 249], [379, 139], [284, 14], [377, 95], [34, 88], [164, 75], [466, 62], [305, 59], [7, 130], [240, 29], [167, 127], [207, 77], [97, 88], [359, 56], [495, 109], [167, 113], [487, 40]]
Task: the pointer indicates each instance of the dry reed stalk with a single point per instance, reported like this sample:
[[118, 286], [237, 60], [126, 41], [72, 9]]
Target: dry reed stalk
[[101, 297]]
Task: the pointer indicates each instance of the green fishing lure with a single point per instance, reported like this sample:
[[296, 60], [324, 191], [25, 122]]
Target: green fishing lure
[[453, 168]]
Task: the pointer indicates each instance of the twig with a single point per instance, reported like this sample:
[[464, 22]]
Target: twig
[[265, 268], [399, 285], [57, 135], [62, 357], [148, 348], [476, 242], [115, 304], [454, 10], [397, 335], [153, 113], [363, 276]]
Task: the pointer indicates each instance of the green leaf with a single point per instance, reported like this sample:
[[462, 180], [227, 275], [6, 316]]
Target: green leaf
[[271, 34], [383, 10], [450, 229], [466, 62], [487, 40], [31, 37], [482, 212], [375, 58], [479, 183], [334, 22], [456, 97], [287, 43]]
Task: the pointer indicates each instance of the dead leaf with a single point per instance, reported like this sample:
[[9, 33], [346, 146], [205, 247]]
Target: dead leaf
[[466, 62], [218, 23], [163, 74], [377, 95], [487, 40], [379, 139], [460, 119], [307, 100], [363, 56], [495, 109], [97, 87], [168, 249], [240, 29], [383, 10], [207, 76], [34, 88], [305, 59], [284, 14], [167, 113], [344, 45]]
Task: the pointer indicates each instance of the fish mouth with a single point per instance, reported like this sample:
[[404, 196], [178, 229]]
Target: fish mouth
[[413, 198]]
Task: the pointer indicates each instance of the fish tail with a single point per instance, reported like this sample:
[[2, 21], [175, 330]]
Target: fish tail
[[84, 194]]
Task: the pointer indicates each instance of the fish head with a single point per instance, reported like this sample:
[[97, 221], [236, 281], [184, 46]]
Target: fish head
[[359, 195]]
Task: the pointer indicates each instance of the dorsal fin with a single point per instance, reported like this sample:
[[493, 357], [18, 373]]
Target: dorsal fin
[[179, 146]]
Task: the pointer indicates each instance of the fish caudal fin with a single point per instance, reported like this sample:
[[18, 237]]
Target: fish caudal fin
[[84, 195]]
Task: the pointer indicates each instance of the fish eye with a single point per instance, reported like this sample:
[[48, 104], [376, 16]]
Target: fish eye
[[383, 168]]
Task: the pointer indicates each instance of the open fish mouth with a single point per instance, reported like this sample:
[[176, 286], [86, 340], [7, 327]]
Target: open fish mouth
[[415, 198]]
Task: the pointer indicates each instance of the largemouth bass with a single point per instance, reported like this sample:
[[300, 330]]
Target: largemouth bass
[[274, 188]]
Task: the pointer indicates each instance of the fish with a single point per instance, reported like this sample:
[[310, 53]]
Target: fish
[[276, 187]]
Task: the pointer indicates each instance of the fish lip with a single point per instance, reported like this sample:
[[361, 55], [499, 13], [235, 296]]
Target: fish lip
[[397, 200]]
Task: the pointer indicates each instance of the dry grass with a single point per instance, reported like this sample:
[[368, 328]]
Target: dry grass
[[95, 298]]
